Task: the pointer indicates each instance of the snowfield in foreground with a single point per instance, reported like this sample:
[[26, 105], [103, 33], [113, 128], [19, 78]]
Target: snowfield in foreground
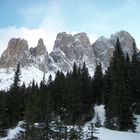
[[12, 133], [106, 134], [102, 133]]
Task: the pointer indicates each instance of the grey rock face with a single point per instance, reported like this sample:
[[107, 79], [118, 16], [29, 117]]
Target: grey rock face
[[39, 56], [103, 47], [126, 41], [103, 50], [18, 51], [69, 49]]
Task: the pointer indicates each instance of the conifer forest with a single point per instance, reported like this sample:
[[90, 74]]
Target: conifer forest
[[48, 107]]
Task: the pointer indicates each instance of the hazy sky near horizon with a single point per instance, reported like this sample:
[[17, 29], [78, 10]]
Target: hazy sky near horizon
[[34, 19]]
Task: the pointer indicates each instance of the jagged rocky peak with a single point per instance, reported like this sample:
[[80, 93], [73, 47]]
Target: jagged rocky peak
[[126, 41], [16, 46], [72, 48], [82, 38], [16, 51], [103, 50], [62, 40], [41, 56], [104, 47], [40, 49]]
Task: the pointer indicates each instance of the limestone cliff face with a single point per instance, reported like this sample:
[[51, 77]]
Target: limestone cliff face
[[18, 51], [69, 49], [126, 41], [39, 56], [103, 47]]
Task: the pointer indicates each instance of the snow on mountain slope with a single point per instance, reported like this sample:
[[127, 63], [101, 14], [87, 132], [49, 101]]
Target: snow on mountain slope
[[67, 49], [27, 76]]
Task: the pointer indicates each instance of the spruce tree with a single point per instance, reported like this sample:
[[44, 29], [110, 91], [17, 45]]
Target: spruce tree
[[118, 113], [98, 85], [3, 115], [14, 101], [135, 76]]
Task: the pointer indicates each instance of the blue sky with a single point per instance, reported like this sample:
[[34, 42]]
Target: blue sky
[[32, 19]]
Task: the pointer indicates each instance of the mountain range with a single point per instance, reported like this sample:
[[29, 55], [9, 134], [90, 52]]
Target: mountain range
[[67, 49]]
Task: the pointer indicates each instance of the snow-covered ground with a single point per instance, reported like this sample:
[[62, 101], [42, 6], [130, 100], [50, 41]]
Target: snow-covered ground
[[102, 133], [138, 123], [13, 132], [107, 134]]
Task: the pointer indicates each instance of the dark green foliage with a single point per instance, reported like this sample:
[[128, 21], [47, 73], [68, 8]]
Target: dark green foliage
[[70, 98], [15, 100], [16, 82], [98, 85], [73, 134], [135, 76], [118, 103], [3, 115]]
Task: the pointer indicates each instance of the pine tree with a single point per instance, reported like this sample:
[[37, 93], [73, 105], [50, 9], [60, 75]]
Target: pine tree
[[98, 85], [3, 115], [107, 84], [86, 93], [118, 113], [16, 82], [14, 101], [135, 76]]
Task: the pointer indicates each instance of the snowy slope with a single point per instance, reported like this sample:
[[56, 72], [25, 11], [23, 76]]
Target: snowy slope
[[27, 76], [107, 134], [102, 133], [138, 123], [13, 132]]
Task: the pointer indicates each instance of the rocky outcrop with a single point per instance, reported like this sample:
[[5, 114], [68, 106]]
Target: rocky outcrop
[[39, 56], [18, 51], [126, 41], [69, 49], [103, 50], [103, 47]]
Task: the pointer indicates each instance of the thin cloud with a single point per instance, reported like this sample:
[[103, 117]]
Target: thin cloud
[[48, 19], [31, 35]]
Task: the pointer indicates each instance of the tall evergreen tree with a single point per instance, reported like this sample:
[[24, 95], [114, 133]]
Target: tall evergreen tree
[[16, 82], [98, 85], [118, 108], [135, 76], [14, 101]]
